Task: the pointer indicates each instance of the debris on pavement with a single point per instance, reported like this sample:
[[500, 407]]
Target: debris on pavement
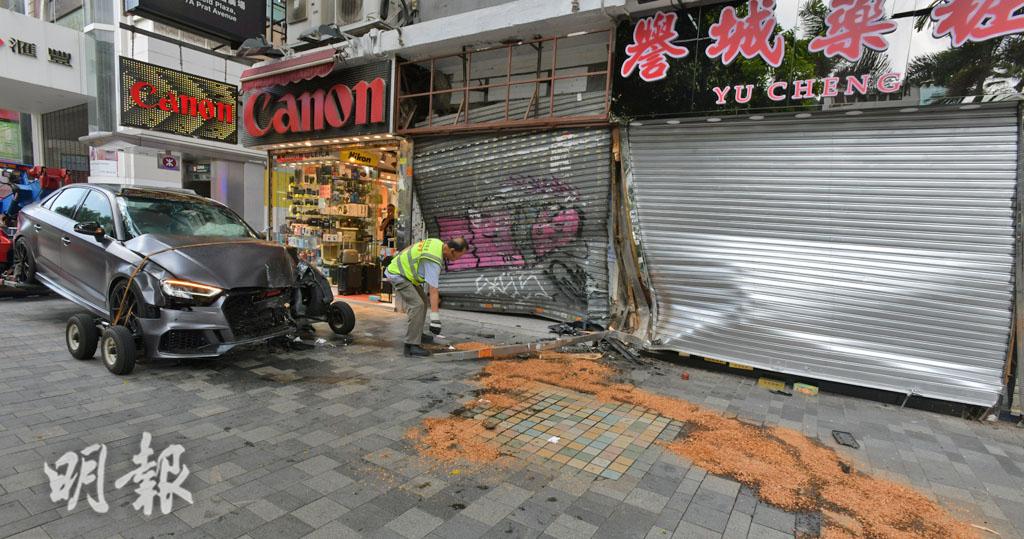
[[563, 329], [771, 384], [472, 345], [780, 392], [786, 468], [845, 438], [622, 349], [685, 376], [805, 389]]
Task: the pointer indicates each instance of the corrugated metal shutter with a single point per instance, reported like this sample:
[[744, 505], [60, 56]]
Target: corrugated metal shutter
[[875, 250], [535, 208]]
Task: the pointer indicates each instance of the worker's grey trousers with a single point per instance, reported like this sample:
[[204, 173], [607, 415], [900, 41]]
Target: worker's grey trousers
[[416, 301]]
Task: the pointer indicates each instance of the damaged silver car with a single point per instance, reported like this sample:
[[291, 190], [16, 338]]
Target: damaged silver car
[[167, 273]]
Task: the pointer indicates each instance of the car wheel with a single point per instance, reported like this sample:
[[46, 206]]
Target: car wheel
[[24, 263], [123, 299], [341, 318], [81, 336], [117, 348]]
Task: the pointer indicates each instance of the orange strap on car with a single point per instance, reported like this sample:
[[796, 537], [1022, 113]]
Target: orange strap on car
[[145, 260]]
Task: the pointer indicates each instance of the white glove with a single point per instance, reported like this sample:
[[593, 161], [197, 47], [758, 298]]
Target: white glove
[[435, 323]]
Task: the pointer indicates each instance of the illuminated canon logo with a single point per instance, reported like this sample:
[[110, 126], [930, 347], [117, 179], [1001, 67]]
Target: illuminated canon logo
[[188, 105], [363, 104]]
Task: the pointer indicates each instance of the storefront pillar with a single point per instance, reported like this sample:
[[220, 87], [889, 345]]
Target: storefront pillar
[[38, 144]]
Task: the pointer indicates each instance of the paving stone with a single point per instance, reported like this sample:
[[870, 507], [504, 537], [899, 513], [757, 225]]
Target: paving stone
[[714, 499], [647, 500], [414, 524], [535, 515], [738, 526], [774, 518], [461, 527], [265, 510], [319, 512], [758, 531], [625, 522], [565, 527], [333, 530], [688, 530], [487, 511], [512, 529], [706, 517]]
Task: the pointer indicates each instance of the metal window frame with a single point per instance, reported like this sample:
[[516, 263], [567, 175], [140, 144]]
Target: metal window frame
[[462, 120]]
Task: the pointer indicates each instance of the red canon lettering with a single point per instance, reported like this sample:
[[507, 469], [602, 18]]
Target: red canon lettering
[[315, 111], [188, 105]]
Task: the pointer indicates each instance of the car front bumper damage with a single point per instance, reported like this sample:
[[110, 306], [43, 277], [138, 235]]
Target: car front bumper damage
[[237, 318]]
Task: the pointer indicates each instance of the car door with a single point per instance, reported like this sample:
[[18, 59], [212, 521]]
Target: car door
[[84, 256], [51, 226]]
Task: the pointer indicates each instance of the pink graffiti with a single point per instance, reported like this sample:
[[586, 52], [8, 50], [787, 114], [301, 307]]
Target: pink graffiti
[[554, 230], [533, 215], [453, 227], [493, 243]]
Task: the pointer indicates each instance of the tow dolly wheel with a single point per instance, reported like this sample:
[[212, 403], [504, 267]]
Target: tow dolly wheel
[[117, 348], [81, 336], [341, 318]]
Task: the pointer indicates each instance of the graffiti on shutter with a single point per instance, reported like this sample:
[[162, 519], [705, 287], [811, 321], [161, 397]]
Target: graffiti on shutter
[[536, 220]]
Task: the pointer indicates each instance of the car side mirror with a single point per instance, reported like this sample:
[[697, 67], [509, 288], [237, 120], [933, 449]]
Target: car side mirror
[[91, 228]]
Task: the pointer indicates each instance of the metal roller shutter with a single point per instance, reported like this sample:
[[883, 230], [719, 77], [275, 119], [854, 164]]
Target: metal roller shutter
[[535, 208], [874, 250]]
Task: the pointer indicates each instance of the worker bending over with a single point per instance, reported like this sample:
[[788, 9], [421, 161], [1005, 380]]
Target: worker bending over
[[418, 265]]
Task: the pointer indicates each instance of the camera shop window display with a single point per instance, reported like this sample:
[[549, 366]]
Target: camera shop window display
[[339, 211]]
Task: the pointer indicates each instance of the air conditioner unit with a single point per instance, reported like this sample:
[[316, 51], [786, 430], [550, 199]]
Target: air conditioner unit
[[355, 17]]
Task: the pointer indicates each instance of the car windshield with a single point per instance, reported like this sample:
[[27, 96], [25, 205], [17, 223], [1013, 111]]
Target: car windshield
[[155, 214]]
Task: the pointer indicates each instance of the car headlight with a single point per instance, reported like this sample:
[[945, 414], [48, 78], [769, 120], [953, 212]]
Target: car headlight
[[187, 292]]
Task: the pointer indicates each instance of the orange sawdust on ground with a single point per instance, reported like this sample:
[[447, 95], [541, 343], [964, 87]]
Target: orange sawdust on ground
[[493, 400], [451, 440], [786, 468]]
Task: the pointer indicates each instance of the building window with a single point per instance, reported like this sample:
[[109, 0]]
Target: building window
[[540, 82]]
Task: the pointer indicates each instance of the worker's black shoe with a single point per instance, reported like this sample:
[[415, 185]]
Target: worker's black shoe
[[428, 338], [415, 350]]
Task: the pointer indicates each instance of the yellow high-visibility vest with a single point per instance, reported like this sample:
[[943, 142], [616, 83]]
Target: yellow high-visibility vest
[[407, 263]]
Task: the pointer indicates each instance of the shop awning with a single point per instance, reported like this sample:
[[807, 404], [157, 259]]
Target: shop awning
[[305, 67]]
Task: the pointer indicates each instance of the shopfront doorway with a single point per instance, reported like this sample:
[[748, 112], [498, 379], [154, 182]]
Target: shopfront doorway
[[337, 204]]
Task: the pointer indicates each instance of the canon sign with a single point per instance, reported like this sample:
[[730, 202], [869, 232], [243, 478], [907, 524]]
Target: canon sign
[[347, 102], [316, 110]]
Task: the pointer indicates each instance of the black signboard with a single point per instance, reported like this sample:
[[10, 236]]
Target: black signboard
[[761, 55], [233, 21], [167, 100], [347, 102]]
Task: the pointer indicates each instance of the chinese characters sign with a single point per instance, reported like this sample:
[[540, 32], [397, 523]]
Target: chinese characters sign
[[788, 53], [852, 26], [977, 20], [751, 36], [159, 479], [27, 48], [652, 41], [171, 101]]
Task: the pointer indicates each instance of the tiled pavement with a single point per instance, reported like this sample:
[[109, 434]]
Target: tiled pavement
[[311, 444]]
